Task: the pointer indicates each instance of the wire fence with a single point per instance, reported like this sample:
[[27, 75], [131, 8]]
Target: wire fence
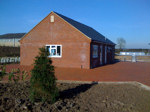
[[5, 60], [133, 58]]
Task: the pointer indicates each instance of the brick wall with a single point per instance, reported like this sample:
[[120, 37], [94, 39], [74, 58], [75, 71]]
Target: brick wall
[[75, 45], [95, 62]]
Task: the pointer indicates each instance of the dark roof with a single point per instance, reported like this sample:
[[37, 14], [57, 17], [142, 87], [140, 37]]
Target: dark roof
[[88, 31], [12, 35]]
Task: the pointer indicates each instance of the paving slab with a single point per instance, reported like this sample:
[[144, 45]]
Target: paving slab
[[121, 71]]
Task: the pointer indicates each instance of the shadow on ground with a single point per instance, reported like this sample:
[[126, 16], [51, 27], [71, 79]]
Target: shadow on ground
[[116, 61], [70, 93]]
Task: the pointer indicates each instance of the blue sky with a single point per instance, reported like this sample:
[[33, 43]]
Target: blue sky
[[129, 19]]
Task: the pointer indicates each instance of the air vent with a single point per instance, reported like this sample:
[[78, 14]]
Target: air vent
[[52, 18]]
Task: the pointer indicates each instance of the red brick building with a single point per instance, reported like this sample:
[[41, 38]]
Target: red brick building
[[70, 43]]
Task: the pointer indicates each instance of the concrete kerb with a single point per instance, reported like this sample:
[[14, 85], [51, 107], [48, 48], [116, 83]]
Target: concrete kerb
[[135, 83], [143, 86]]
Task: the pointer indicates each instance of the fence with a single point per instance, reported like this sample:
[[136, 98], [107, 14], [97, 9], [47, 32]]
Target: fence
[[133, 58], [4, 60]]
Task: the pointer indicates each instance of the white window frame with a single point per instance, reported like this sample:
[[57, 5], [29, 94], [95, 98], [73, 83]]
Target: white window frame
[[56, 50]]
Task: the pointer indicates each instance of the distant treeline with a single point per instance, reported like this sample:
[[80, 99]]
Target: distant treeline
[[6, 51], [132, 50]]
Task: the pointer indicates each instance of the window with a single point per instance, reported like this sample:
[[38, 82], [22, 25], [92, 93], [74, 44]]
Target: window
[[52, 18], [95, 51], [54, 50]]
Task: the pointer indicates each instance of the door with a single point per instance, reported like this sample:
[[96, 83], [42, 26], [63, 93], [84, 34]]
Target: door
[[101, 54], [105, 54]]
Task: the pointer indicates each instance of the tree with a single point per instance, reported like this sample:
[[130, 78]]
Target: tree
[[43, 80], [121, 42]]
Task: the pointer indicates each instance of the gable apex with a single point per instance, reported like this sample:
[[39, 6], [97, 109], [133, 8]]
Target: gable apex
[[70, 24], [86, 30], [34, 27]]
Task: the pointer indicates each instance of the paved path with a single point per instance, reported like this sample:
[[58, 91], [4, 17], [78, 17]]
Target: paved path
[[122, 71]]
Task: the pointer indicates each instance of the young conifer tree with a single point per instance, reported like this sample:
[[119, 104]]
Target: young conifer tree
[[43, 80]]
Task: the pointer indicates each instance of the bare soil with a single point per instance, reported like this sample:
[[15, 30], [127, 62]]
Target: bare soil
[[77, 98]]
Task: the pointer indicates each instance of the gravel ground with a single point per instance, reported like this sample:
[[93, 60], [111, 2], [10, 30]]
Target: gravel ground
[[78, 98]]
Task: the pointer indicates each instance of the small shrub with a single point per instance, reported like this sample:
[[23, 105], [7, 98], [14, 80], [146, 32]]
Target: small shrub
[[24, 75], [16, 78], [3, 71], [10, 76], [43, 81], [14, 75]]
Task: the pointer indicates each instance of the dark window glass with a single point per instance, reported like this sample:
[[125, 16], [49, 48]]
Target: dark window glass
[[58, 50], [47, 48]]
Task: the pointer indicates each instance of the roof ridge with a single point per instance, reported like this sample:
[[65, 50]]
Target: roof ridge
[[71, 19], [86, 30]]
